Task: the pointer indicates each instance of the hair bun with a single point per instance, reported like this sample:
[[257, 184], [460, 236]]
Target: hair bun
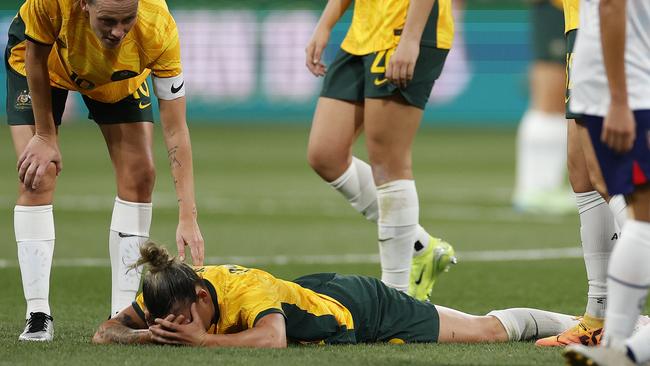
[[155, 256]]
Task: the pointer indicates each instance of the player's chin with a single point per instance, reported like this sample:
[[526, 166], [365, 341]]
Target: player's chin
[[110, 43]]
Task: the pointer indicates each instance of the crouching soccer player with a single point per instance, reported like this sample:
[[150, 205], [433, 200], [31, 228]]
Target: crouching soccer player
[[235, 306], [105, 50]]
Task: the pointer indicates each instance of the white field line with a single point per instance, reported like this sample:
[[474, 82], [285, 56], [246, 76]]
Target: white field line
[[460, 211], [470, 256]]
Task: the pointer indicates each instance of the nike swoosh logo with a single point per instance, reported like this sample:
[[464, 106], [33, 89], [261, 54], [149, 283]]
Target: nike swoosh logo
[[143, 106], [566, 100], [380, 82], [122, 235], [419, 278], [176, 90]]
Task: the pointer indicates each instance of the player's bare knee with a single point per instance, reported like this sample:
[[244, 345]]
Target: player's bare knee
[[326, 163], [137, 184]]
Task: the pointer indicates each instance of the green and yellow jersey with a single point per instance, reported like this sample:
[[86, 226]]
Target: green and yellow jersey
[[322, 308], [571, 14], [377, 25], [79, 62], [242, 296]]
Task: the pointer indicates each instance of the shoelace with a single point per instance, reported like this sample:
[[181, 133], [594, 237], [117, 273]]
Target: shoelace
[[37, 322]]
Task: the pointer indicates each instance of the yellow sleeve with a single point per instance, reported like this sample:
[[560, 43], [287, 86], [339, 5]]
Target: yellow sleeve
[[139, 307], [42, 20], [168, 64]]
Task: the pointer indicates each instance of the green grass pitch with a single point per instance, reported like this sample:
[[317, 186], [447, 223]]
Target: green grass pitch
[[258, 198]]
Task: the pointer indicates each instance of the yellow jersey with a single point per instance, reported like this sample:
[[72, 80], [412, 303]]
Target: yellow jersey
[[571, 14], [242, 296], [79, 62], [377, 26]]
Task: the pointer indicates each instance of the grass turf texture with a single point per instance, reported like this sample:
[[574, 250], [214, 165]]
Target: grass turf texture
[[258, 197]]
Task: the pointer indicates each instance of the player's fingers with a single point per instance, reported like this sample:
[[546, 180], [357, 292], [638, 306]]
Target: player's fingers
[[388, 74], [166, 324], [179, 319], [410, 71], [22, 169], [162, 336], [59, 166], [28, 179], [318, 52], [403, 72], [170, 317], [196, 317], [38, 176], [180, 245], [197, 258]]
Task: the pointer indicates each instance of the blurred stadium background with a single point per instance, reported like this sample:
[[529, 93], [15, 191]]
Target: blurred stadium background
[[250, 101]]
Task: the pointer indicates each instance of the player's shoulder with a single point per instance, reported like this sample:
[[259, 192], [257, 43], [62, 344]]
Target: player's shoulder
[[154, 12]]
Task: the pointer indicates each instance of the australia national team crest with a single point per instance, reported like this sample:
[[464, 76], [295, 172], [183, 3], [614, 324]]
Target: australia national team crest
[[23, 101]]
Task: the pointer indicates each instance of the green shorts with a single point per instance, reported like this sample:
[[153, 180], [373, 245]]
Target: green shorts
[[570, 41], [380, 313], [354, 78], [134, 108], [547, 24]]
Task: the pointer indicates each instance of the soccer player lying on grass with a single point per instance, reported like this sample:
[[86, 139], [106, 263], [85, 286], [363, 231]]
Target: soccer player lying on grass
[[230, 305]]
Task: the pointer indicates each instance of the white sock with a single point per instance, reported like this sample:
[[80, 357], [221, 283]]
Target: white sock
[[541, 153], [357, 185], [598, 234], [129, 230], [639, 344], [523, 324], [628, 282], [619, 208], [397, 224], [34, 229]]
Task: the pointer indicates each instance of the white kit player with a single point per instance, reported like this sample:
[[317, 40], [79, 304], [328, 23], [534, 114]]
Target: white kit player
[[611, 88]]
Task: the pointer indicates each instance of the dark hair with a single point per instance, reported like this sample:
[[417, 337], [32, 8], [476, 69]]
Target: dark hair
[[167, 282]]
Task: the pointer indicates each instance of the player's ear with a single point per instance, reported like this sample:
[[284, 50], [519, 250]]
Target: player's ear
[[84, 5], [202, 294]]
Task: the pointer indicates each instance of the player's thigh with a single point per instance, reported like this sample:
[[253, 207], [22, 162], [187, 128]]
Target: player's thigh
[[336, 125], [127, 126], [591, 160], [578, 173], [459, 327]]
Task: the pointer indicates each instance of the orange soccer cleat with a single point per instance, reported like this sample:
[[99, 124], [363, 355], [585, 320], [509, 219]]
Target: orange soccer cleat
[[587, 332]]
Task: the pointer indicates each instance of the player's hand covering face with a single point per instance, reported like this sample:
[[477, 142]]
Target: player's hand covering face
[[179, 330], [111, 20]]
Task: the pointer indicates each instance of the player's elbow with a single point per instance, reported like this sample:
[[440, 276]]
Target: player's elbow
[[275, 340], [98, 337]]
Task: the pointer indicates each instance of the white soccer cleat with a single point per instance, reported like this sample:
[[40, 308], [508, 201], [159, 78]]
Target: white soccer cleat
[[38, 328]]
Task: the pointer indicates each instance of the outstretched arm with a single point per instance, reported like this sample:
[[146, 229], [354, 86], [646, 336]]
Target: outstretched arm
[[126, 328], [179, 151], [268, 332]]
